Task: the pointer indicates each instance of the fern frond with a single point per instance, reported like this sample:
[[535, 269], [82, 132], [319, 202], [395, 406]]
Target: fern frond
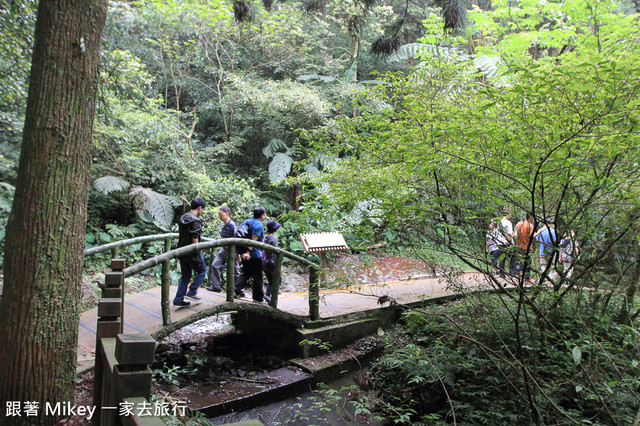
[[107, 184], [311, 169], [280, 167], [225, 148], [159, 206], [10, 189], [366, 209], [274, 146], [415, 50], [488, 65]]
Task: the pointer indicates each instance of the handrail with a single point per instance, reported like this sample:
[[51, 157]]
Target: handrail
[[123, 243], [231, 243], [225, 242], [136, 240]]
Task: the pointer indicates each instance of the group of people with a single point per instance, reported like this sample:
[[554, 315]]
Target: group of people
[[254, 261], [512, 246]]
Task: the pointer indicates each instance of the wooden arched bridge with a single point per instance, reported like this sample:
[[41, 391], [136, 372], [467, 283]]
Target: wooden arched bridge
[[230, 245], [121, 360]]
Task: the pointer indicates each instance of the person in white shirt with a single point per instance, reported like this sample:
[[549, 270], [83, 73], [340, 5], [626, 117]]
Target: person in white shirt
[[505, 227]]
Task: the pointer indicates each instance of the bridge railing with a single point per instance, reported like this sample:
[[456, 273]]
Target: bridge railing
[[230, 244], [115, 246], [122, 374], [209, 244]]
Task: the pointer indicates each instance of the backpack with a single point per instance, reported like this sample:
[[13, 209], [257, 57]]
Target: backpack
[[268, 258], [242, 232]]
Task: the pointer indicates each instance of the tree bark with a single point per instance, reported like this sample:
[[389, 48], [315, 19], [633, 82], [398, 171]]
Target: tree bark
[[39, 311]]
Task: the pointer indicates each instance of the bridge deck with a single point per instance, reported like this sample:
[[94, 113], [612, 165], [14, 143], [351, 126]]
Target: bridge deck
[[142, 312]]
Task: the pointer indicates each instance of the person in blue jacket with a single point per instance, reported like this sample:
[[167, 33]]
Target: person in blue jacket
[[252, 260], [546, 236]]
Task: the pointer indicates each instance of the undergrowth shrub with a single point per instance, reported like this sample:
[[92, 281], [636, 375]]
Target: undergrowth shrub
[[488, 360]]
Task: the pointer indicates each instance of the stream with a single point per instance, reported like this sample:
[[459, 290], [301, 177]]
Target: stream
[[322, 407], [224, 375]]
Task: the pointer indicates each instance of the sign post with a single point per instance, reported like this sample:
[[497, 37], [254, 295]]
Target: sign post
[[321, 243]]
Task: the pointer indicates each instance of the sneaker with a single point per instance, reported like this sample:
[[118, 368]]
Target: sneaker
[[530, 281], [239, 294], [215, 290], [258, 301], [182, 303], [193, 297]]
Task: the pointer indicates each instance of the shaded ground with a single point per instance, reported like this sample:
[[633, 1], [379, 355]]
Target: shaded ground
[[346, 269], [375, 267]]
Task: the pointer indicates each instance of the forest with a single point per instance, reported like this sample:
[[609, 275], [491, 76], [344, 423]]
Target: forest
[[410, 125]]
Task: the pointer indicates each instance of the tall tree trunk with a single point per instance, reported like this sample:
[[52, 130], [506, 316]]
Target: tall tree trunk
[[39, 312]]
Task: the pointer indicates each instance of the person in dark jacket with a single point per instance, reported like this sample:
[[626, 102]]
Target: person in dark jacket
[[228, 229], [269, 258], [252, 260], [190, 227]]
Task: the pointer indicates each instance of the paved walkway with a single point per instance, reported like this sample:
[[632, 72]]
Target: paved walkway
[[142, 311]]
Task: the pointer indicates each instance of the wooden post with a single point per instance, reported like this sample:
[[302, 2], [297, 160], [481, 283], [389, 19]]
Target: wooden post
[[323, 265], [110, 323], [275, 287], [320, 242], [127, 374], [134, 353], [114, 252], [314, 294], [165, 281], [231, 272]]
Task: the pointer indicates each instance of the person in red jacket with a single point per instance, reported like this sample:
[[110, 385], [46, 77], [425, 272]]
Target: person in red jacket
[[524, 233]]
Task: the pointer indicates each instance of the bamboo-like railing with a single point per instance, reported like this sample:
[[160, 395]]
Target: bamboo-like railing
[[117, 245], [209, 244]]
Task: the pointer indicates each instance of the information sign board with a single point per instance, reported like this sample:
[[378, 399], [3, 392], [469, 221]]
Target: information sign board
[[321, 242]]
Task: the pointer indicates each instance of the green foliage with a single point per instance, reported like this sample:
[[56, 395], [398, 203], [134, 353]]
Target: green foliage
[[168, 375], [329, 400], [107, 184], [10, 138], [280, 167], [158, 206], [148, 148], [135, 137], [440, 159], [17, 24], [6, 200], [237, 193], [582, 366], [546, 143], [119, 232], [317, 343]]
